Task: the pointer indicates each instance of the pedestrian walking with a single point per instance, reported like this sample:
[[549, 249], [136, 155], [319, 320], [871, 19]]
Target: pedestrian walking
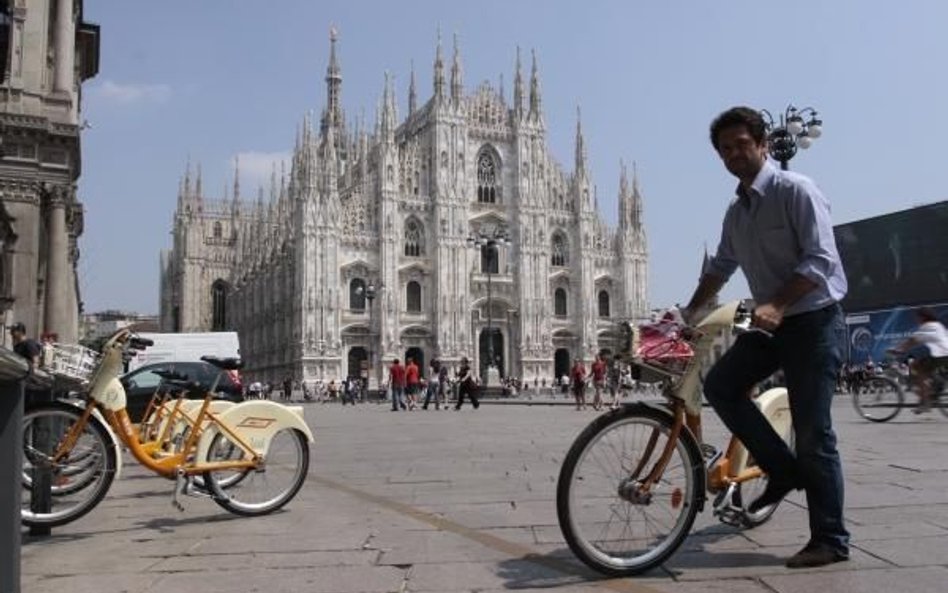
[[396, 382], [412, 382], [598, 371], [466, 385], [578, 378], [435, 388]]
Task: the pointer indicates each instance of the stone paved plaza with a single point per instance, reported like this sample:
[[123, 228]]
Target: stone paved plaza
[[444, 501]]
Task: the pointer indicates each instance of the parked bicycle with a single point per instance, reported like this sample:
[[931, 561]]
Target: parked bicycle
[[253, 457], [634, 480]]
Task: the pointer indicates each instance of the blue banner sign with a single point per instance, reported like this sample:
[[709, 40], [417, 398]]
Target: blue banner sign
[[871, 333]]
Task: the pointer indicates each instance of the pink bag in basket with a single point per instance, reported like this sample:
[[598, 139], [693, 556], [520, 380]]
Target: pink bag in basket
[[661, 342]]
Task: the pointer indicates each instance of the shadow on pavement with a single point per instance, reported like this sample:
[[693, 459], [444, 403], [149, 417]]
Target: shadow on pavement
[[541, 571]]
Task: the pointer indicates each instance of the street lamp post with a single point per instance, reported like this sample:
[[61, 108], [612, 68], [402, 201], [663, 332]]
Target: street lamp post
[[371, 291], [791, 130], [486, 243]]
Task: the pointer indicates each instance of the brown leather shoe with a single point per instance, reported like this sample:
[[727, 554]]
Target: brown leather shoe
[[817, 554]]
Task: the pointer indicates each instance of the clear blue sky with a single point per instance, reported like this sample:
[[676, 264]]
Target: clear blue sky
[[215, 78]]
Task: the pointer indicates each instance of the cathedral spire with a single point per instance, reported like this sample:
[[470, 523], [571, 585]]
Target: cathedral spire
[[636, 206], [412, 95], [535, 103], [457, 83], [187, 179], [518, 88], [236, 177], [439, 70], [623, 195], [198, 186], [388, 116], [580, 144], [333, 114]]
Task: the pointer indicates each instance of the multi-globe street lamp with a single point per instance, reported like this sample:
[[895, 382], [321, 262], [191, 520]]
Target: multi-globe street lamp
[[486, 243], [791, 130], [370, 291]]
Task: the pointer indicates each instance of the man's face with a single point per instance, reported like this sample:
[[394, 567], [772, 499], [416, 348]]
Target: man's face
[[742, 156], [17, 335]]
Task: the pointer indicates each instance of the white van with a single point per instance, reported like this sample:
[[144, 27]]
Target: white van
[[186, 347]]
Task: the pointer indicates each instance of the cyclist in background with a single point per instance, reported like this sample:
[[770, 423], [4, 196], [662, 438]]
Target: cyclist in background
[[931, 338]]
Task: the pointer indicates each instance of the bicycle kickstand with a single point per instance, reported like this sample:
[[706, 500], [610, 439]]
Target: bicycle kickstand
[[181, 482]]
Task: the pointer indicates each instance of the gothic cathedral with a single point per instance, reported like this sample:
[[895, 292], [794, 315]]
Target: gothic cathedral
[[366, 250]]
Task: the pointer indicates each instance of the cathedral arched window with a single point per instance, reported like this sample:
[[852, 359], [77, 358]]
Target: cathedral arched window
[[218, 306], [604, 304], [413, 297], [559, 302], [490, 260], [559, 251], [218, 230], [357, 294], [488, 175], [414, 238]]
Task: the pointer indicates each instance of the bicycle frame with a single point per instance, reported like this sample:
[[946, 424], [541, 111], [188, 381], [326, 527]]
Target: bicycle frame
[[684, 394], [260, 419]]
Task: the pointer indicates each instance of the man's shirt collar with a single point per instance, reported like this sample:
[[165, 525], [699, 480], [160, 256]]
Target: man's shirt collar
[[760, 185]]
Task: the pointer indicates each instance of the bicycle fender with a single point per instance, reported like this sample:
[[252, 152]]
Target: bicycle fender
[[116, 444], [775, 405], [256, 422]]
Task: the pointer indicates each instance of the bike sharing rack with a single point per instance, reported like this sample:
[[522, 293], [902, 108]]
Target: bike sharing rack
[[15, 376]]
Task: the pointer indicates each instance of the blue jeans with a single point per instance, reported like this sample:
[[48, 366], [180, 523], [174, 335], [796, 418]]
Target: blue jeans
[[807, 348], [398, 397]]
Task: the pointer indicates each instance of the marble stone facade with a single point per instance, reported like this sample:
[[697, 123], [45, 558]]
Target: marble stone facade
[[46, 52], [392, 208]]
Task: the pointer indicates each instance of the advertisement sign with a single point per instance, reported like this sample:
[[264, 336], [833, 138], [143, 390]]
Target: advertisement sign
[[870, 334], [895, 260]]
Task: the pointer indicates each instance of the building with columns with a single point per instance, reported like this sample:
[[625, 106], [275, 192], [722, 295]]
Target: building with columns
[[361, 254], [46, 52]]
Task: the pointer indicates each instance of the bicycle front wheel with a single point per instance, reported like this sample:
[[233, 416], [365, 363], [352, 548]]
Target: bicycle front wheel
[[78, 479], [608, 523], [878, 399], [266, 488]]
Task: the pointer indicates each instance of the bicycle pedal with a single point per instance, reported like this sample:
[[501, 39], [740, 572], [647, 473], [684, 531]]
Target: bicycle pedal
[[195, 491], [708, 451]]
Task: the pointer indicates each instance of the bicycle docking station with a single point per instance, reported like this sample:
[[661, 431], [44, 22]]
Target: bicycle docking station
[[15, 377]]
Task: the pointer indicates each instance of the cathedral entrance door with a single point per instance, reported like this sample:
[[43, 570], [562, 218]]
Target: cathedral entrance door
[[561, 362], [357, 356], [498, 351], [418, 355]]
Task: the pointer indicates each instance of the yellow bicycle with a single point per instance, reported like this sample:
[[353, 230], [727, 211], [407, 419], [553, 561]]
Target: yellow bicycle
[[253, 457]]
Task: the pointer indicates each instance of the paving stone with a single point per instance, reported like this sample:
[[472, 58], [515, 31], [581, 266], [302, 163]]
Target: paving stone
[[455, 502]]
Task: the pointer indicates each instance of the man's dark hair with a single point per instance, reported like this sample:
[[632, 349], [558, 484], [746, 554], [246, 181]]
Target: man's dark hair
[[739, 116], [925, 315]]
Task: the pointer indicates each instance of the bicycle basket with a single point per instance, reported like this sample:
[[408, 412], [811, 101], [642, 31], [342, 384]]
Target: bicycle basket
[[70, 361]]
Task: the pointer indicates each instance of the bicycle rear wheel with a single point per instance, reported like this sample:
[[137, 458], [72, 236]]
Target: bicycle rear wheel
[[79, 479], [878, 399], [264, 489], [606, 524]]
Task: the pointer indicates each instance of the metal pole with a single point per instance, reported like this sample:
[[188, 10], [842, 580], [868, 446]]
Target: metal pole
[[11, 466], [490, 329]]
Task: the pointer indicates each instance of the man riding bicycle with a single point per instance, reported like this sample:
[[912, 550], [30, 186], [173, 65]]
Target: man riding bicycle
[[931, 338]]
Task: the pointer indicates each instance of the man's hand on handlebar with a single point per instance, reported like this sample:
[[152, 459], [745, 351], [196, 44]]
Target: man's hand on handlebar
[[767, 317]]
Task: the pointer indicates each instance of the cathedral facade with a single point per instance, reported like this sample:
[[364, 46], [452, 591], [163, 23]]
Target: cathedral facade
[[450, 233]]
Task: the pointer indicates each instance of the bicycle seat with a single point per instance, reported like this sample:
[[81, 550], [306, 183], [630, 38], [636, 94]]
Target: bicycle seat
[[226, 364]]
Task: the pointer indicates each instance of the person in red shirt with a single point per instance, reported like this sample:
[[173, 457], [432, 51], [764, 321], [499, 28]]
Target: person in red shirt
[[412, 382], [599, 380], [396, 377], [578, 377]]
